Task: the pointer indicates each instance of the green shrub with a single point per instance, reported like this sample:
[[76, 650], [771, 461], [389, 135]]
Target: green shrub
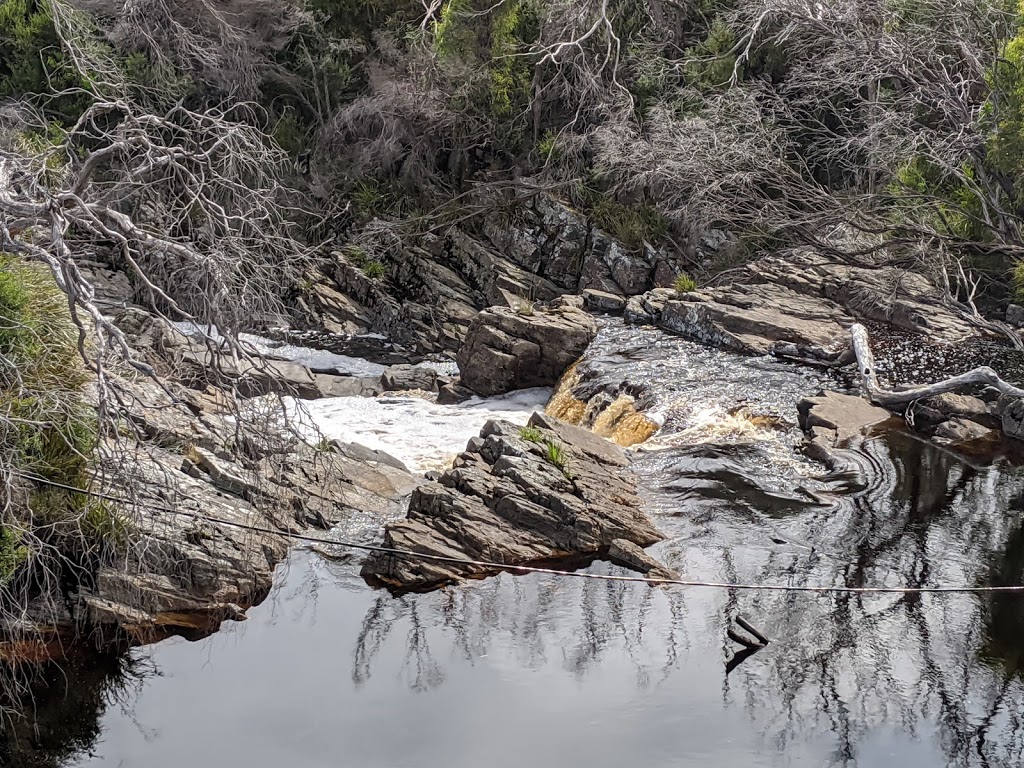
[[374, 269], [12, 554], [684, 283], [48, 431], [631, 225], [547, 147], [32, 60]]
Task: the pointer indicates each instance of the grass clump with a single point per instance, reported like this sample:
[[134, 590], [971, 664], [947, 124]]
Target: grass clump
[[48, 432], [374, 269], [530, 434], [556, 455], [684, 283]]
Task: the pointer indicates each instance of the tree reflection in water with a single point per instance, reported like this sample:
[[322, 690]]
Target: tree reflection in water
[[842, 664], [842, 668]]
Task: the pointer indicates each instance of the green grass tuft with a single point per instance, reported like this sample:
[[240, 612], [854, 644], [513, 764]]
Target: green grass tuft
[[684, 283]]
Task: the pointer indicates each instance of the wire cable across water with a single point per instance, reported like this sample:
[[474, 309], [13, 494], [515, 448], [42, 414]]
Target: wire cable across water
[[521, 569]]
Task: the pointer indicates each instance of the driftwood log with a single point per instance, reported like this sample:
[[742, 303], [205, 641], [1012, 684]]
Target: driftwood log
[[886, 398]]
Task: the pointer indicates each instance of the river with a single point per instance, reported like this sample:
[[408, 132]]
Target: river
[[551, 670]]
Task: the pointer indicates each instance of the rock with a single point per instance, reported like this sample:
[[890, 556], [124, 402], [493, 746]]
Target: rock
[[406, 377], [507, 501], [751, 319], [599, 301], [1015, 315], [844, 416], [611, 267], [329, 385], [806, 300], [960, 430], [647, 309], [635, 313], [505, 350], [566, 301], [949, 404], [628, 555], [204, 562], [1013, 418], [454, 393]]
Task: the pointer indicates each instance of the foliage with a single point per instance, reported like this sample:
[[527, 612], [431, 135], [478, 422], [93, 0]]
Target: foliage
[[13, 554], [530, 434], [556, 455], [632, 225], [32, 60], [684, 283], [711, 63], [374, 269]]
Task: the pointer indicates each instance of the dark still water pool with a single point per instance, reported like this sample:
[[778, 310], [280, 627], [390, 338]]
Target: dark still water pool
[[554, 671], [543, 671]]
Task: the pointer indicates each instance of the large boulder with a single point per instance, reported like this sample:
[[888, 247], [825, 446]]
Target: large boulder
[[507, 349], [518, 496]]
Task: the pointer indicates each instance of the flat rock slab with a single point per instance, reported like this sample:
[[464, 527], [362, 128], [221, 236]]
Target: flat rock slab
[[845, 415], [806, 300], [513, 499]]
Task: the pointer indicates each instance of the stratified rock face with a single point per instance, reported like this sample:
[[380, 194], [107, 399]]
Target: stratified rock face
[[803, 299], [506, 350], [506, 501], [525, 247], [208, 531]]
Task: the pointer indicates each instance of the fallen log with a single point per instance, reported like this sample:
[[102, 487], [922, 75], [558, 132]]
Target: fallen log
[[886, 398]]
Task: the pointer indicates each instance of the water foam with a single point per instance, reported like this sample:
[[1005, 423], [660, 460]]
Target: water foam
[[420, 433]]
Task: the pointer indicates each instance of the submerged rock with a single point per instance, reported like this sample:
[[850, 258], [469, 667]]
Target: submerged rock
[[518, 496], [507, 350]]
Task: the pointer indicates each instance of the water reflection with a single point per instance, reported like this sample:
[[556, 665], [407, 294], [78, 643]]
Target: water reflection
[[544, 669]]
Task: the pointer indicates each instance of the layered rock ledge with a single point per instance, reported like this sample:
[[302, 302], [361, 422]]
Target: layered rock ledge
[[517, 496], [805, 301]]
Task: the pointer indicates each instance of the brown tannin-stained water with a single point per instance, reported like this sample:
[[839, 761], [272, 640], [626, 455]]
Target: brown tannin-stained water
[[554, 671]]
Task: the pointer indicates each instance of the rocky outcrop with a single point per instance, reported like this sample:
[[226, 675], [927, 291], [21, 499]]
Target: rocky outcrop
[[806, 301], [548, 493], [507, 349], [526, 247], [208, 529]]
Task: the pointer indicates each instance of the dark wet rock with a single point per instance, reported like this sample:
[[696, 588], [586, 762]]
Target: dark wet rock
[[507, 350], [600, 301], [453, 393], [951, 405], [838, 417], [508, 500], [405, 377], [526, 247], [611, 267], [807, 300], [647, 309], [628, 555]]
